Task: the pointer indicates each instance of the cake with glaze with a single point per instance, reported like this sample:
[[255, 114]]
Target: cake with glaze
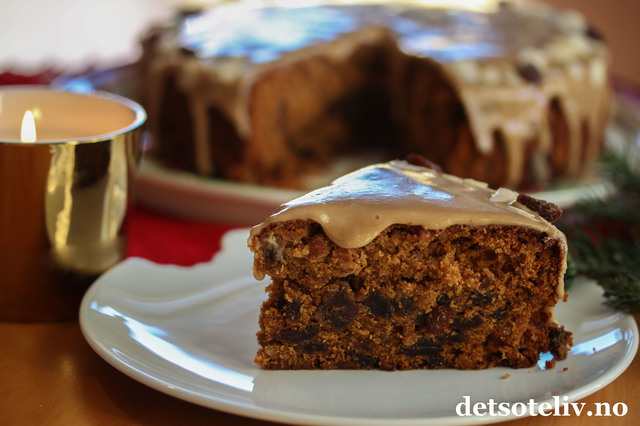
[[399, 266], [516, 94]]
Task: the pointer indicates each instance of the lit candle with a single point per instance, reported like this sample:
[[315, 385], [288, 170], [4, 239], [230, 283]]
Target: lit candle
[[28, 128], [66, 167], [62, 116]]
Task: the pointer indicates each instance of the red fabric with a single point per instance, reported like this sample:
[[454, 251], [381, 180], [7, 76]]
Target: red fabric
[[10, 78], [169, 240]]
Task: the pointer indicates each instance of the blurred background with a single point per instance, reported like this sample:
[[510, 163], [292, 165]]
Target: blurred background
[[618, 21], [75, 35]]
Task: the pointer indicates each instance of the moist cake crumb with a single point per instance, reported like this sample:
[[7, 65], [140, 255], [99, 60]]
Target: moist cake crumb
[[475, 291]]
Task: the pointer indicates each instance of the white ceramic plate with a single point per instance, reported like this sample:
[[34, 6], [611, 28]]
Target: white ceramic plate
[[190, 332]]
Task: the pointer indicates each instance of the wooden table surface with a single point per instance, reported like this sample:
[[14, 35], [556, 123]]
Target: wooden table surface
[[49, 375]]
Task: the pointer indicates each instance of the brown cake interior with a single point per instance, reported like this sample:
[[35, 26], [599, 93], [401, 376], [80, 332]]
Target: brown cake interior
[[462, 297], [306, 113]]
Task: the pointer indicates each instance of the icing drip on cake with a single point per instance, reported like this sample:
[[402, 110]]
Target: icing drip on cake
[[358, 206]]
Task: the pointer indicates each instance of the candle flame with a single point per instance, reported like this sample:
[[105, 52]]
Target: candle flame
[[28, 131]]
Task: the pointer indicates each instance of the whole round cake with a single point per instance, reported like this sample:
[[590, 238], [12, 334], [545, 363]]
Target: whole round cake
[[516, 94]]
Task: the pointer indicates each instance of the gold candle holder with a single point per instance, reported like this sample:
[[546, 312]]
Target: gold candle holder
[[64, 195]]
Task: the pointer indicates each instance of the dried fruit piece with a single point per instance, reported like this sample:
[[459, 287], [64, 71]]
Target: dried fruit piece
[[379, 305], [530, 73], [423, 347]]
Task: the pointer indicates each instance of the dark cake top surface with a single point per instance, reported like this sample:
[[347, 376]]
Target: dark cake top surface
[[471, 30], [360, 205]]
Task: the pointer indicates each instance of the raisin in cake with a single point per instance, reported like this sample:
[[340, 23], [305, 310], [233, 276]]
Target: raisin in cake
[[515, 94], [400, 266]]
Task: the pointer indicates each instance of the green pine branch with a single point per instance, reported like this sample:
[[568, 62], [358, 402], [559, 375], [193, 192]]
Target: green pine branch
[[604, 235], [611, 261]]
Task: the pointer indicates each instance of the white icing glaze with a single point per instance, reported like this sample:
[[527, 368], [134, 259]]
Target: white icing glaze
[[355, 208], [358, 206]]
